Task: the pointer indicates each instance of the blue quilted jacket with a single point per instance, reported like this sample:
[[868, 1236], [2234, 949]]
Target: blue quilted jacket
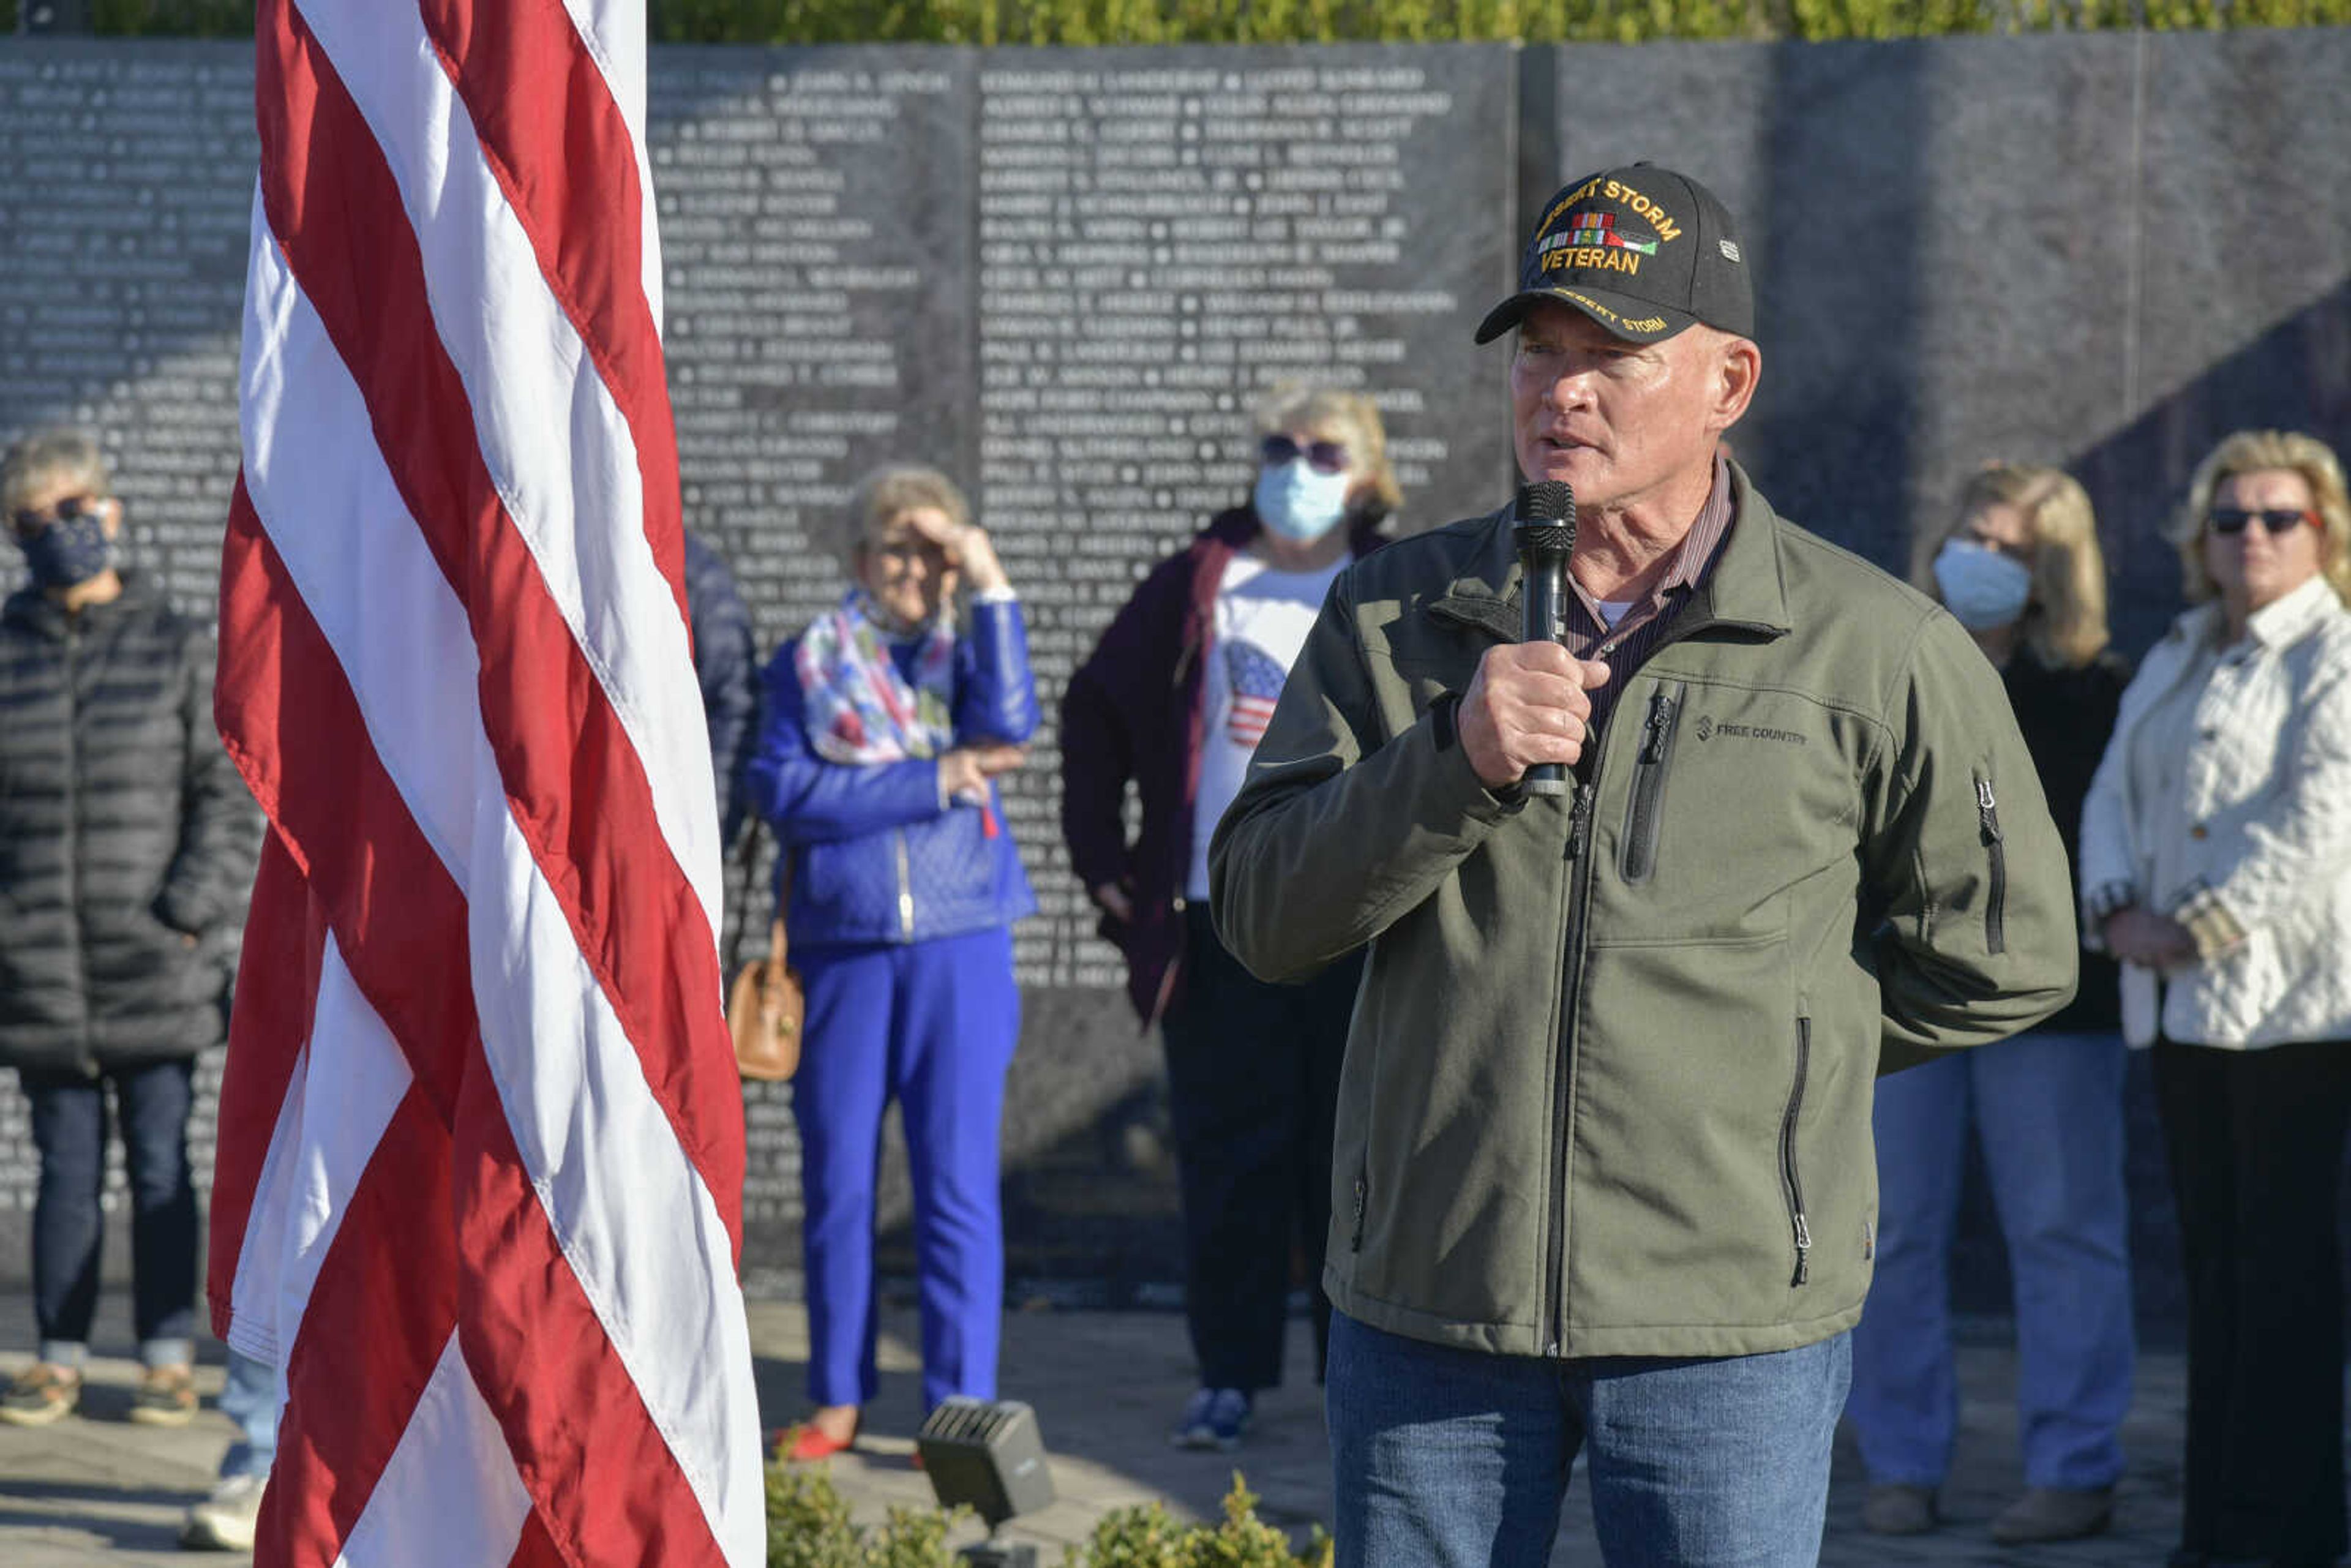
[[873, 857]]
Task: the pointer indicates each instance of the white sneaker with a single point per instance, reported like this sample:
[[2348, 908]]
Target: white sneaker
[[226, 1519]]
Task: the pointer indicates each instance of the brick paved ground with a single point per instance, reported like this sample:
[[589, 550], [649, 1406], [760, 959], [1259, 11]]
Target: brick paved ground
[[96, 1490]]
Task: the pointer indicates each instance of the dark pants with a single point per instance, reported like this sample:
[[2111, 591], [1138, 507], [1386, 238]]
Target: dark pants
[[69, 1125], [2255, 1139], [1253, 1086]]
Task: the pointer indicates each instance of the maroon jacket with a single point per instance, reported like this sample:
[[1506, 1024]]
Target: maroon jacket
[[1132, 711]]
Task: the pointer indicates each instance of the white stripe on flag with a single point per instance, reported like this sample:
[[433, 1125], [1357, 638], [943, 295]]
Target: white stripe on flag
[[353, 1079], [253, 1292], [449, 1494]]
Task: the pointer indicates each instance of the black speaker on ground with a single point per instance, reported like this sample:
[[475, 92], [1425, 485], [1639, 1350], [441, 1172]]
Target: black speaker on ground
[[986, 1455]]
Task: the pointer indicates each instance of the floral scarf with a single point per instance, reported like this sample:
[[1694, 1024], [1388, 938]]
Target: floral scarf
[[858, 707]]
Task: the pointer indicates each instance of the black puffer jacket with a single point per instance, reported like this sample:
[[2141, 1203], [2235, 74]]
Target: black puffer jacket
[[123, 831]]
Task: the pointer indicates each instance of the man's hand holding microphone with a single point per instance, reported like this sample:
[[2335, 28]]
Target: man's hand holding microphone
[[1526, 715], [1527, 706]]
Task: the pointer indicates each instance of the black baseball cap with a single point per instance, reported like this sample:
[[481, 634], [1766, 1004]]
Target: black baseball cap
[[1642, 250]]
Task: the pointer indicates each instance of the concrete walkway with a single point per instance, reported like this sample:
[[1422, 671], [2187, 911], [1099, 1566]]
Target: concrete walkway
[[96, 1490]]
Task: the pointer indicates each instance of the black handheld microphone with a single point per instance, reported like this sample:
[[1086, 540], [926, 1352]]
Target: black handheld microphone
[[1545, 535]]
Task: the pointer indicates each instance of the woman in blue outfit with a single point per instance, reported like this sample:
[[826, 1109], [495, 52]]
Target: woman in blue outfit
[[886, 725], [2020, 566]]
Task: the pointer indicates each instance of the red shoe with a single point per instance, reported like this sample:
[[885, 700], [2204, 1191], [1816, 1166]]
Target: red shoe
[[809, 1444]]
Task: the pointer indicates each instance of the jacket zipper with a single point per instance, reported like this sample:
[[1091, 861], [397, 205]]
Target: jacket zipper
[[73, 834], [1642, 817], [1579, 896], [1995, 906], [1579, 855], [1363, 1190], [1789, 1179], [906, 891]]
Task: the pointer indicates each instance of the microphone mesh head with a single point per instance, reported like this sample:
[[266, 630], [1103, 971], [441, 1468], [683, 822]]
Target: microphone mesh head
[[1546, 519], [1549, 501]]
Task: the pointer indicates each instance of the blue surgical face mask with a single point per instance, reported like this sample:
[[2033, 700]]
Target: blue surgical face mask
[[1981, 586], [69, 551], [1298, 502]]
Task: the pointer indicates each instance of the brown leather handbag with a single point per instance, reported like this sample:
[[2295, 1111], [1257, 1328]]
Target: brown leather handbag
[[764, 1010]]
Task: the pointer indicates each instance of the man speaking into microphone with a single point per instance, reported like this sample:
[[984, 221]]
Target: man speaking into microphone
[[1603, 1181]]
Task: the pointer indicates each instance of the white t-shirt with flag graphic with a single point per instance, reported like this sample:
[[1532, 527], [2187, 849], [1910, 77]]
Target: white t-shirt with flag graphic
[[1262, 619]]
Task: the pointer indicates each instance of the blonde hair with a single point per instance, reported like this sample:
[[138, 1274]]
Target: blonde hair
[[2253, 451], [43, 458], [890, 492], [1353, 420], [2064, 618]]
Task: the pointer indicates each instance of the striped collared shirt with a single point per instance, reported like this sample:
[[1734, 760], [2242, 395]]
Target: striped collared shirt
[[1624, 646]]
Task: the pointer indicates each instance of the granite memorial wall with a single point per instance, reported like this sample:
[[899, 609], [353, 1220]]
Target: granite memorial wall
[[1063, 276]]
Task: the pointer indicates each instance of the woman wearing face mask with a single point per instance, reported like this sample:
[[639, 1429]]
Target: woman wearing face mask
[[125, 838], [2019, 567], [887, 725], [1172, 699], [2216, 864]]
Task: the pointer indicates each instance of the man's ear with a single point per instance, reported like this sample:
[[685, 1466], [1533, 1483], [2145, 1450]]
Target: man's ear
[[1738, 369]]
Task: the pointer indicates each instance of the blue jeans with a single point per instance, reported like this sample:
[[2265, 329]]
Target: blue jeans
[[69, 1128], [249, 1398], [2049, 1110], [1456, 1459]]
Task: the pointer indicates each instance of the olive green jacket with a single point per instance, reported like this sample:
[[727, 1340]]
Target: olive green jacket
[[1608, 1086]]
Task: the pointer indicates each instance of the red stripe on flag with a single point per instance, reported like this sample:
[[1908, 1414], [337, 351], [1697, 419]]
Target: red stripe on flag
[[559, 149], [577, 786], [296, 735], [606, 1482], [275, 1000], [535, 1549], [384, 1303]]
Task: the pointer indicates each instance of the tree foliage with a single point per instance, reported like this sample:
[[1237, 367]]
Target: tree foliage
[[1095, 22]]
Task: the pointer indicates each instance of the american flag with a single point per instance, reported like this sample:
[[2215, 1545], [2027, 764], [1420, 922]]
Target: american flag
[[481, 1147], [1256, 678]]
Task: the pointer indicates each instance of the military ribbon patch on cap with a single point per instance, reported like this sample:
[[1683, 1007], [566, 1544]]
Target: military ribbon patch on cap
[[1600, 229]]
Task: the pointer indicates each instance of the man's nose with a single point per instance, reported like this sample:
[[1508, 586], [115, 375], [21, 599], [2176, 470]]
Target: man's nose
[[1570, 389]]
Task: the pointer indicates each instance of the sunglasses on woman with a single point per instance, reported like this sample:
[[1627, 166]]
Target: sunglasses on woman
[[30, 522], [2233, 520], [1322, 456]]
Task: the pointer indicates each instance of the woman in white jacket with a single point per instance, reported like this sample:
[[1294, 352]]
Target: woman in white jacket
[[2216, 864]]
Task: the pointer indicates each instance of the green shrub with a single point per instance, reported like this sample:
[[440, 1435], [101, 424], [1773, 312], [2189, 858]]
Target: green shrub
[[808, 1526], [1147, 1537], [807, 1522]]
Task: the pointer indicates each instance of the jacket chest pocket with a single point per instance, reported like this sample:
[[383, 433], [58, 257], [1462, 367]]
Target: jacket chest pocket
[[1652, 764], [1720, 797]]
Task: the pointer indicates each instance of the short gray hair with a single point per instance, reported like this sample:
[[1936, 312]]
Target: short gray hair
[[46, 456]]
